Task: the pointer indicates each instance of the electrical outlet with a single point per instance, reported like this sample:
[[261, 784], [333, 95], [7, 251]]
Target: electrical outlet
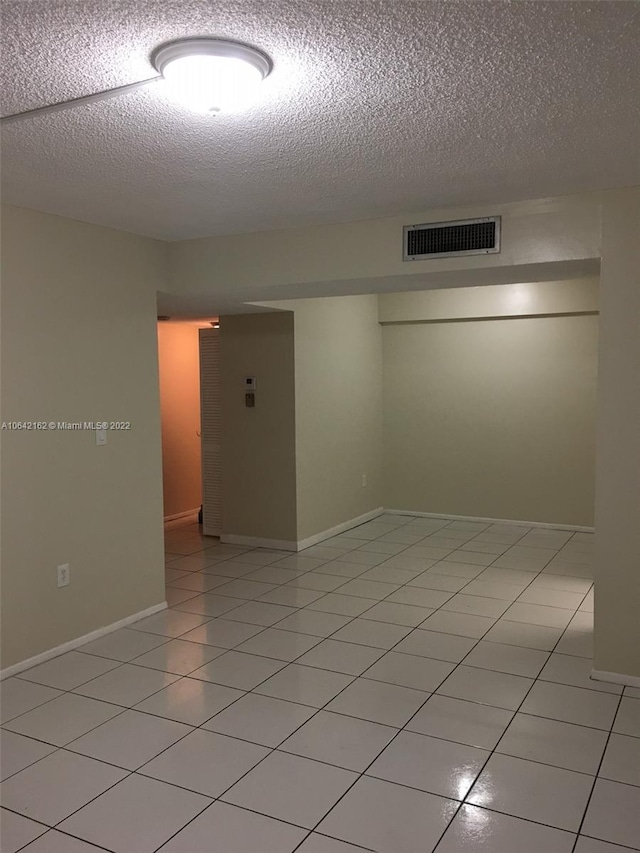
[[364, 480], [63, 575]]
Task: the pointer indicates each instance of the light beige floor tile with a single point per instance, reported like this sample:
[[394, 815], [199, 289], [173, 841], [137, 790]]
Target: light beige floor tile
[[16, 831], [553, 742], [566, 669], [459, 624], [383, 703], [476, 830], [621, 761], [281, 645], [129, 740], [18, 752], [238, 670], [614, 813], [461, 721], [290, 788], [498, 689], [412, 671], [260, 719], [179, 657], [531, 791], [628, 716], [63, 719], [223, 828], [189, 701], [17, 697], [205, 762], [433, 644], [314, 623], [137, 814], [53, 788], [382, 816], [68, 671], [430, 764], [501, 657], [399, 614], [348, 658], [260, 613], [222, 633], [340, 740], [523, 634], [305, 685], [571, 705], [123, 645], [367, 632]]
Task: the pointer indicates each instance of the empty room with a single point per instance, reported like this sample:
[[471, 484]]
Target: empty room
[[320, 446]]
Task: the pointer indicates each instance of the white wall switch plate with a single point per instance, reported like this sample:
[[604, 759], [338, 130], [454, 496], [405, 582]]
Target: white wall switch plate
[[64, 573], [101, 437]]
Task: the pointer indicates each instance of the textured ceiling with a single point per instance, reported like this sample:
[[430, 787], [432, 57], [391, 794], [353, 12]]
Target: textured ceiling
[[373, 108]]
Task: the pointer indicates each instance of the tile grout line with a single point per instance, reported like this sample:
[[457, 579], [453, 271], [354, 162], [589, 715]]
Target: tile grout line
[[366, 568], [597, 773]]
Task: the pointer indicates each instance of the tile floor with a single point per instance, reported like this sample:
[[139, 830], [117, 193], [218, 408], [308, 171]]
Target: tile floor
[[411, 685]]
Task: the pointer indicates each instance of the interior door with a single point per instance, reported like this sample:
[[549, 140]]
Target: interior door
[[210, 431]]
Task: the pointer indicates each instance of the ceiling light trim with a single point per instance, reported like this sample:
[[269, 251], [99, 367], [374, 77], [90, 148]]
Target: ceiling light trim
[[180, 48]]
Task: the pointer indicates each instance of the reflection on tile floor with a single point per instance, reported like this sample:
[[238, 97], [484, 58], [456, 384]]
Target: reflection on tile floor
[[410, 685]]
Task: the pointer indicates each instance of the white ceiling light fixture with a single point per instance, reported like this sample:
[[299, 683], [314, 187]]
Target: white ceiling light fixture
[[208, 75], [211, 75]]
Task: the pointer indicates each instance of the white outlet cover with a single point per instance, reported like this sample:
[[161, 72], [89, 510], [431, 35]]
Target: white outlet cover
[[64, 572]]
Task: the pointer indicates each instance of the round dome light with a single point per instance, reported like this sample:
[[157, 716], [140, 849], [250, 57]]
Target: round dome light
[[210, 75]]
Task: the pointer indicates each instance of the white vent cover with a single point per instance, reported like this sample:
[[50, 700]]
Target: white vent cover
[[450, 239]]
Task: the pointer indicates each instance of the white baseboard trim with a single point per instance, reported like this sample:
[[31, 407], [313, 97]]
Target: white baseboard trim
[[339, 528], [615, 678], [80, 641], [258, 542], [300, 545], [548, 525], [179, 515]]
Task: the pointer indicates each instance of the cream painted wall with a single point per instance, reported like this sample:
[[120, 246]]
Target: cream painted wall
[[504, 300], [179, 368], [338, 410], [491, 418], [343, 258], [617, 597], [78, 344], [258, 444]]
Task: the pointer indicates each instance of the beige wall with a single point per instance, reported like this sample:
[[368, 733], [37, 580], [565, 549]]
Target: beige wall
[[617, 601], [338, 410], [491, 418], [78, 343], [366, 256], [179, 368], [259, 444], [504, 300]]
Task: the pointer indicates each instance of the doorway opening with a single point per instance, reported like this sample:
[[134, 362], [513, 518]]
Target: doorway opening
[[183, 458]]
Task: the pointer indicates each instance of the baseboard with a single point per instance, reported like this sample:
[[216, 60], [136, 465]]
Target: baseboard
[[615, 678], [80, 641], [301, 544], [339, 528], [576, 528], [258, 542], [180, 515]]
